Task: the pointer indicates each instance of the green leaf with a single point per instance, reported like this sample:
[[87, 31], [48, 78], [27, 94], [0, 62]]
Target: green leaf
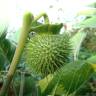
[[91, 22], [47, 28], [7, 48], [43, 83], [3, 60], [92, 60], [72, 76], [77, 40]]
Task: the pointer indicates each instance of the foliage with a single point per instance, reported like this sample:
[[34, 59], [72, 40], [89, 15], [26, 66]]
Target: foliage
[[69, 79], [7, 49]]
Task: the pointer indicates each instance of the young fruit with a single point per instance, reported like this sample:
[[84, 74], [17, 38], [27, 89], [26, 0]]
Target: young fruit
[[46, 53]]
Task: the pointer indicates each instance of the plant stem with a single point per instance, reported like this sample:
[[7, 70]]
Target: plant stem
[[27, 20], [46, 19], [21, 92]]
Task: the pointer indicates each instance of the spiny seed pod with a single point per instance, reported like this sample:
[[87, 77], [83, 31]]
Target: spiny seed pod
[[46, 53]]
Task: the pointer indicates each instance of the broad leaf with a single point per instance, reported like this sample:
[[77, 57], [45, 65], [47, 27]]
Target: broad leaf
[[71, 77], [77, 40], [47, 28], [91, 22], [92, 60]]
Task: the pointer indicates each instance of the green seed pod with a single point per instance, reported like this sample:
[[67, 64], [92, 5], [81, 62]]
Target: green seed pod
[[46, 53]]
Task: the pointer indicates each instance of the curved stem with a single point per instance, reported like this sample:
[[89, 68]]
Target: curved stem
[[46, 19], [27, 20]]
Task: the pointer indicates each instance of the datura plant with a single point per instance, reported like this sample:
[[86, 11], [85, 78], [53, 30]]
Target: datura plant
[[48, 54], [28, 21]]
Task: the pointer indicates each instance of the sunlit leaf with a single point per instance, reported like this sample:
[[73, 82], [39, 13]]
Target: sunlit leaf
[[71, 77], [91, 22], [77, 40]]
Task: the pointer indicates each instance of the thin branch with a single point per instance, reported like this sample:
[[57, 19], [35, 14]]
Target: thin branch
[[22, 84]]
